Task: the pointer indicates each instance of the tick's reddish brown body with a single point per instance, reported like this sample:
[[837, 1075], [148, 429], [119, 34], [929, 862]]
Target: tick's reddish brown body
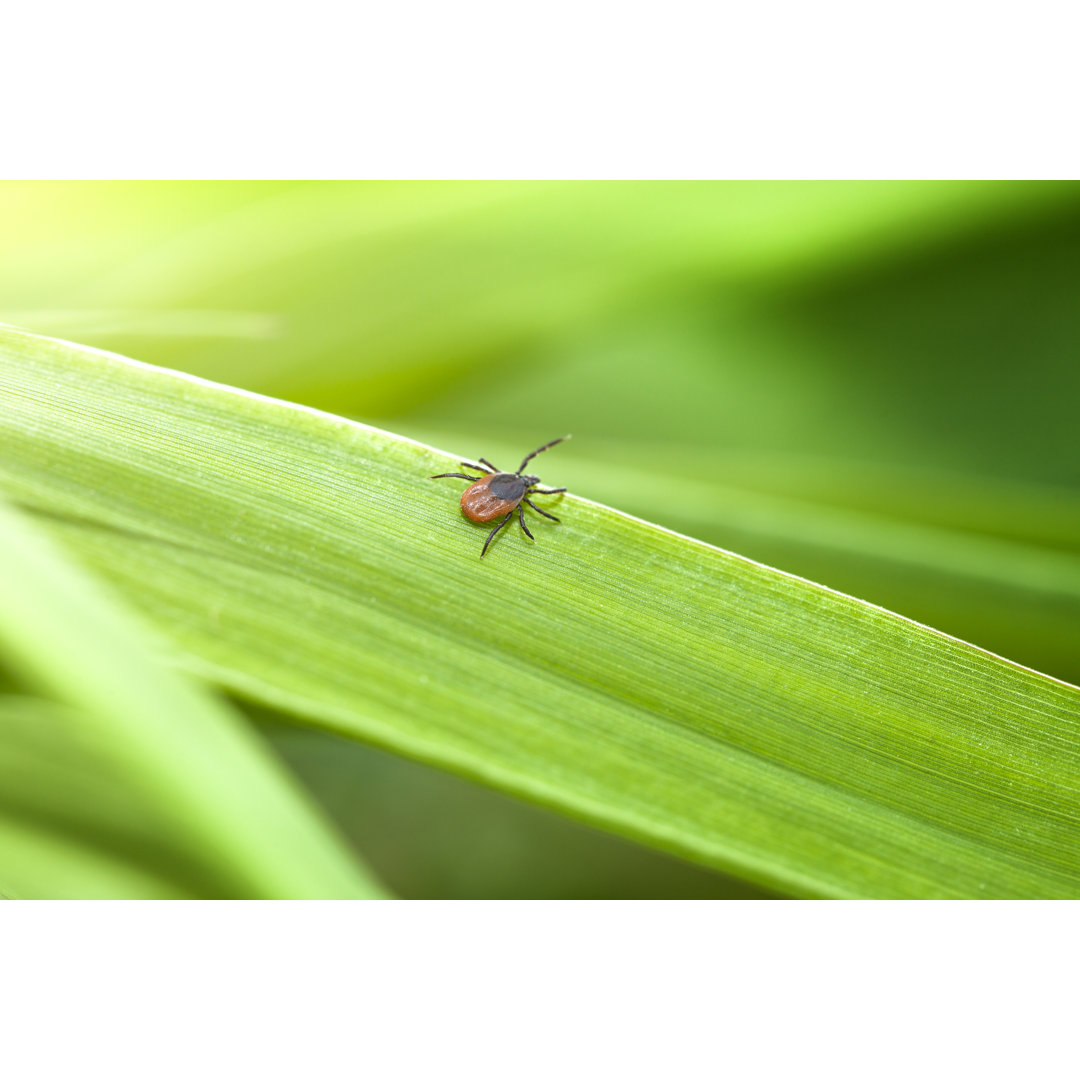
[[499, 494], [480, 503]]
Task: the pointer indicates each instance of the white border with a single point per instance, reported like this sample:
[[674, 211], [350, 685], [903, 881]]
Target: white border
[[589, 88], [536, 990]]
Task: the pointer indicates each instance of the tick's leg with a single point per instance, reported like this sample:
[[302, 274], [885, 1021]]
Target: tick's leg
[[546, 491], [521, 518], [491, 535], [540, 450], [492, 468], [478, 468], [538, 510], [456, 475]]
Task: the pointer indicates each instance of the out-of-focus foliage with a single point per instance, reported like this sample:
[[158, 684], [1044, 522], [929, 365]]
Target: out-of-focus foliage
[[118, 778], [872, 385]]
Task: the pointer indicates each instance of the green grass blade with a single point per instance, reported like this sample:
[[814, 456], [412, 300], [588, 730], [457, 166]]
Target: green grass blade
[[997, 565], [119, 777], [631, 677]]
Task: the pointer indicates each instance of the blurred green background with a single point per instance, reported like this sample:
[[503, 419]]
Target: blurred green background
[[873, 385]]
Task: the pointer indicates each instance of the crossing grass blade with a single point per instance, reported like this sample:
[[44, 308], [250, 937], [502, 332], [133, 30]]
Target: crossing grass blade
[[118, 778], [623, 674]]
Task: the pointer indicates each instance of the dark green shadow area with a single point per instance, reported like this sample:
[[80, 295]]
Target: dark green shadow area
[[430, 835]]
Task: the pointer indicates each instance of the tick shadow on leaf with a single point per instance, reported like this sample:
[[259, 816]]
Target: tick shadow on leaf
[[499, 494]]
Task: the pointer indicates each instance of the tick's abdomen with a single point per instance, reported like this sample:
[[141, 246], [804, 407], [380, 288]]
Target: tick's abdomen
[[492, 496]]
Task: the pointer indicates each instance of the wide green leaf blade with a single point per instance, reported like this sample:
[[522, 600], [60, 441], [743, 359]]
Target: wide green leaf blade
[[912, 540], [634, 678], [118, 777]]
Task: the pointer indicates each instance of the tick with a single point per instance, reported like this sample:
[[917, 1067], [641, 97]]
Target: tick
[[501, 493]]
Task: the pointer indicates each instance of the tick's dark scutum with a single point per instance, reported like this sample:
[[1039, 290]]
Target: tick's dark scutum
[[507, 486]]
